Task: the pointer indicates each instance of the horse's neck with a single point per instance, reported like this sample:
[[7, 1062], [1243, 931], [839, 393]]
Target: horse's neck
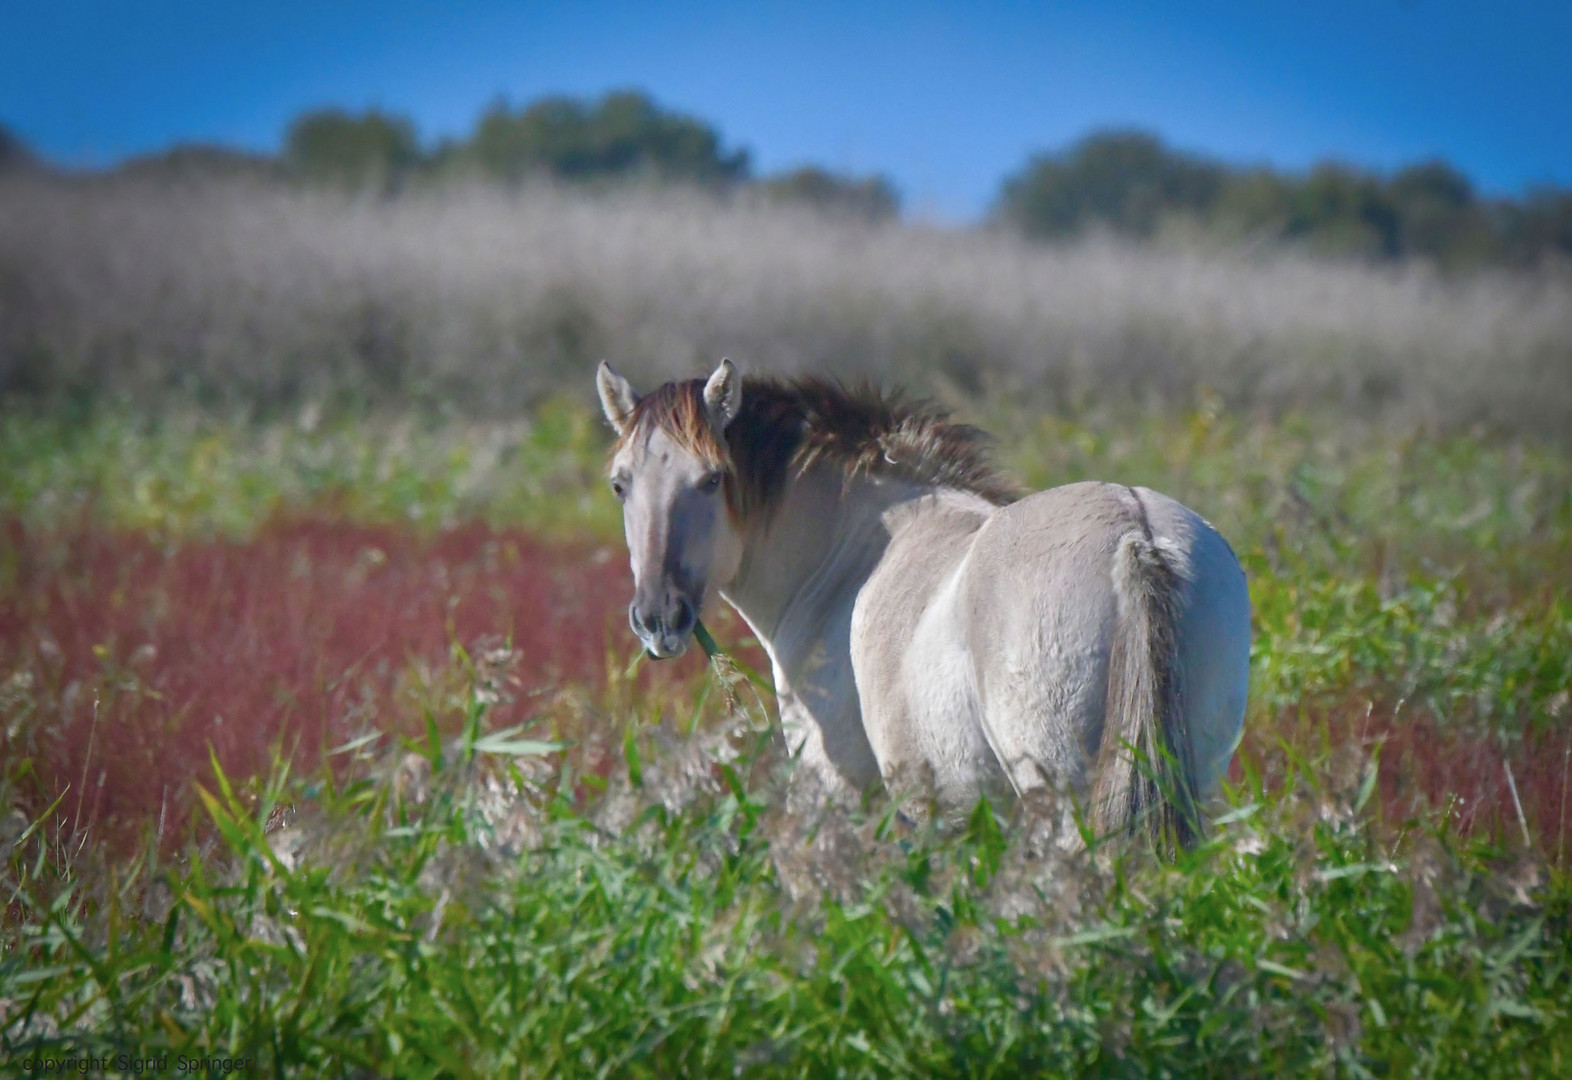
[[822, 541]]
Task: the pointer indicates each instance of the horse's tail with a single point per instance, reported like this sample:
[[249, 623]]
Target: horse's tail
[[1145, 766]]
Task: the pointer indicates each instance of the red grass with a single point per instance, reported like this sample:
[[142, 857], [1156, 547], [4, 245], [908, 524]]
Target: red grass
[[305, 635], [1428, 765], [298, 637]]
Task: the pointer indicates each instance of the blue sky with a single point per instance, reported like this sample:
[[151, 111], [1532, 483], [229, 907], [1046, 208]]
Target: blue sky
[[945, 98]]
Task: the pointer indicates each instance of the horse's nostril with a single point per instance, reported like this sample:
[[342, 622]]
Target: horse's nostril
[[638, 622], [683, 619]]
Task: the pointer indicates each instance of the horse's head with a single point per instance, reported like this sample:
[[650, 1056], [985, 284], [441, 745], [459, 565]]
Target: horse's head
[[669, 471]]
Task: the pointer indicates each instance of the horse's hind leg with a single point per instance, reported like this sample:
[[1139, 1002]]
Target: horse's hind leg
[[1042, 677]]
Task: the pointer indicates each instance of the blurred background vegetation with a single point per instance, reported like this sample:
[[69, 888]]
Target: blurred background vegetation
[[1125, 182], [366, 266], [1130, 183]]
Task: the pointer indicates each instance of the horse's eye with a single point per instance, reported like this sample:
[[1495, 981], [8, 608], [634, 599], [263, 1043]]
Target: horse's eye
[[711, 483], [619, 488]]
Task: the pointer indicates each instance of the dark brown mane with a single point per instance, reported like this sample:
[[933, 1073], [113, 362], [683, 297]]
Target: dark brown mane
[[786, 426]]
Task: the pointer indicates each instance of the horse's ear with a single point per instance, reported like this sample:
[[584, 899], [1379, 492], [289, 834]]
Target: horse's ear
[[723, 395], [617, 397]]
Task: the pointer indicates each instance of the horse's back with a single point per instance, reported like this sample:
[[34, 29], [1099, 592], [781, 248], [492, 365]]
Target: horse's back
[[1038, 608]]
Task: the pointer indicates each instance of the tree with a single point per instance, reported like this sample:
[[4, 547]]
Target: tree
[[1439, 215], [1255, 204], [374, 150], [1537, 230], [1427, 210], [1130, 183], [196, 162], [1124, 181], [624, 135], [872, 198], [1340, 210]]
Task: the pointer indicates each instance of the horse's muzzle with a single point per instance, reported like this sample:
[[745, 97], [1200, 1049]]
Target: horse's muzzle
[[665, 635]]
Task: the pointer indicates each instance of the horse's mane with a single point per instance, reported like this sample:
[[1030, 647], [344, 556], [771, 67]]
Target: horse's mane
[[786, 426]]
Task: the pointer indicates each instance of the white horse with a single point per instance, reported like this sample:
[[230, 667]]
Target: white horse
[[922, 620]]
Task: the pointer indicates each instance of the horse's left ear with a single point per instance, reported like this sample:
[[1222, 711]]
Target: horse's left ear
[[723, 395]]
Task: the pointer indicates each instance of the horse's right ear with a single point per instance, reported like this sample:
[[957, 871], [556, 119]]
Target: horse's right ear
[[617, 397]]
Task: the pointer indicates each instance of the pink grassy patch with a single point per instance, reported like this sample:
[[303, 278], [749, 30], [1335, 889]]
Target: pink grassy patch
[[1427, 765], [300, 637]]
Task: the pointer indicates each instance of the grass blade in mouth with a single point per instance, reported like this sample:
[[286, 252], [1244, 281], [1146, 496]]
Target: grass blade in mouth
[[707, 642]]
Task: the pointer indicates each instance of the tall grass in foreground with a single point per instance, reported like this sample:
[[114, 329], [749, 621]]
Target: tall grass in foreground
[[483, 300], [467, 907]]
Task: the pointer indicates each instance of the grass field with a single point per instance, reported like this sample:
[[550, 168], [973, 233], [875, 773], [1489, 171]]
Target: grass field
[[326, 746]]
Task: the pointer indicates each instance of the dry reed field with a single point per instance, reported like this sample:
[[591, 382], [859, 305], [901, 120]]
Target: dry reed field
[[484, 300], [324, 744]]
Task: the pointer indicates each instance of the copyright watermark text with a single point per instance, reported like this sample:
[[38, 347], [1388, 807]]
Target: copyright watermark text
[[133, 1065]]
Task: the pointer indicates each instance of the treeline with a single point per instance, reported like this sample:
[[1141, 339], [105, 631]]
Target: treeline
[[1126, 183], [623, 137], [1132, 185]]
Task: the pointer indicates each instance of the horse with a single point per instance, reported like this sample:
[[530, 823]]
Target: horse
[[923, 617]]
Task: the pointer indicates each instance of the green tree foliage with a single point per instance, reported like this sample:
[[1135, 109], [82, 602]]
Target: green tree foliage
[[1123, 181], [1439, 214], [873, 198], [1131, 184], [1540, 223], [374, 150], [196, 162], [624, 135], [1428, 210], [1341, 211]]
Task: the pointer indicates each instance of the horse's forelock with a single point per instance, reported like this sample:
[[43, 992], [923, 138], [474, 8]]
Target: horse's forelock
[[677, 408]]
